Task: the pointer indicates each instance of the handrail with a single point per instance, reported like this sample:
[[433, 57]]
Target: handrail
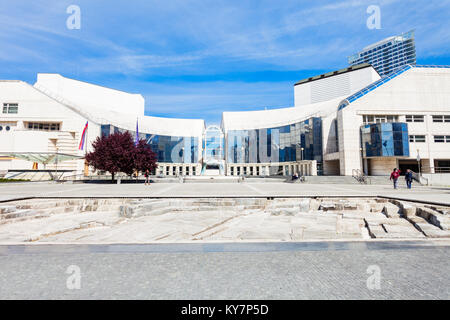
[[359, 176], [419, 178]]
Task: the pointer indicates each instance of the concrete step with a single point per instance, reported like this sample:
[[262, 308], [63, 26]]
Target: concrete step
[[22, 215], [7, 209]]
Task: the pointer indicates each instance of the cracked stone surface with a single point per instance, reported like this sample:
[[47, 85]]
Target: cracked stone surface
[[215, 220]]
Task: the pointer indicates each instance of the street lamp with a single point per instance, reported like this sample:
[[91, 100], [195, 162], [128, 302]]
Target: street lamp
[[182, 160], [56, 164], [418, 160], [362, 159]]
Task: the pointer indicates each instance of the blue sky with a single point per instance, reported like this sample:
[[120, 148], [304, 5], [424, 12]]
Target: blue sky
[[195, 59]]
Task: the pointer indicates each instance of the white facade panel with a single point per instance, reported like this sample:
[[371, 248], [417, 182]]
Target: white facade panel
[[334, 86], [92, 96]]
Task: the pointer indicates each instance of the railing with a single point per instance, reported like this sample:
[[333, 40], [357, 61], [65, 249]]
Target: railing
[[360, 176], [419, 178], [441, 169]]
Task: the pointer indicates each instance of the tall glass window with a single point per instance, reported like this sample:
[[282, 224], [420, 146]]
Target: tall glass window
[[168, 149], [293, 142], [385, 140], [213, 145]]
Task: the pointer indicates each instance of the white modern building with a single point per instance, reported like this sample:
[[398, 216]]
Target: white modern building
[[41, 126], [343, 122]]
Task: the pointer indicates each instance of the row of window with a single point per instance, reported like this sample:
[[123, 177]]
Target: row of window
[[395, 50], [437, 139], [416, 138], [442, 139], [367, 119], [379, 118], [420, 118], [10, 108], [41, 126]]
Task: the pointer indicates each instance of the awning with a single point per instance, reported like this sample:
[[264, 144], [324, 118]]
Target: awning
[[41, 157]]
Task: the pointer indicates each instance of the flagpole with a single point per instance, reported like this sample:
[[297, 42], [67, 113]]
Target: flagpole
[[85, 139]]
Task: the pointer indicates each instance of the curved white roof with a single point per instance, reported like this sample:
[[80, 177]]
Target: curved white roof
[[157, 125], [248, 120], [147, 124], [91, 95]]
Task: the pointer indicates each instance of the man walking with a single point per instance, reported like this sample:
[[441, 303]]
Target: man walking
[[394, 176], [408, 178], [147, 177]]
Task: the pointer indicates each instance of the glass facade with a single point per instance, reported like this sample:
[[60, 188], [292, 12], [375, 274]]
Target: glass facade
[[213, 145], [294, 142], [385, 140], [169, 149], [389, 54]]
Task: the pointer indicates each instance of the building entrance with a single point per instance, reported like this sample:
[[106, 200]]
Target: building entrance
[[403, 165], [213, 157]]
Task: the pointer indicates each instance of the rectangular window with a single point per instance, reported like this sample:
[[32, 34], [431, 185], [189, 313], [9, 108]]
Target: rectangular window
[[439, 139], [438, 118], [10, 108], [441, 118], [417, 138], [414, 118], [43, 126], [369, 119]]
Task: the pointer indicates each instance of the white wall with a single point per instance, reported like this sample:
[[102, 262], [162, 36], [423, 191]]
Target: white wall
[[37, 107], [338, 85], [438, 179], [92, 96]]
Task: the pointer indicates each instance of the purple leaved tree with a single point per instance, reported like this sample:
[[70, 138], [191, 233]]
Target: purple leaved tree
[[113, 153]]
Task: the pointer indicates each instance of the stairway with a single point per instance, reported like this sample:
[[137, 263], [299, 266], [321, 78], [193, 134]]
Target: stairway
[[374, 180]]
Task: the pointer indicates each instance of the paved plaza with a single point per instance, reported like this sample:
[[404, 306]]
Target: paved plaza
[[216, 212], [267, 189], [337, 270], [146, 256]]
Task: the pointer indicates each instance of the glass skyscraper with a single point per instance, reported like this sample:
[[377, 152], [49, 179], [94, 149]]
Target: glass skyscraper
[[389, 54]]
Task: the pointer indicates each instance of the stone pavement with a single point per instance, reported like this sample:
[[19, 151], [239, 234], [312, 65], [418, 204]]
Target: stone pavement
[[125, 220], [321, 270], [267, 189]]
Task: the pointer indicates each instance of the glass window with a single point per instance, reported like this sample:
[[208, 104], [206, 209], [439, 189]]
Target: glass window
[[293, 142], [439, 139], [418, 138], [447, 118], [42, 126], [438, 118], [385, 140], [10, 108], [414, 118], [168, 149]]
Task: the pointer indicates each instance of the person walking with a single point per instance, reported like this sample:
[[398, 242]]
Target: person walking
[[408, 178], [394, 177], [147, 177]]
